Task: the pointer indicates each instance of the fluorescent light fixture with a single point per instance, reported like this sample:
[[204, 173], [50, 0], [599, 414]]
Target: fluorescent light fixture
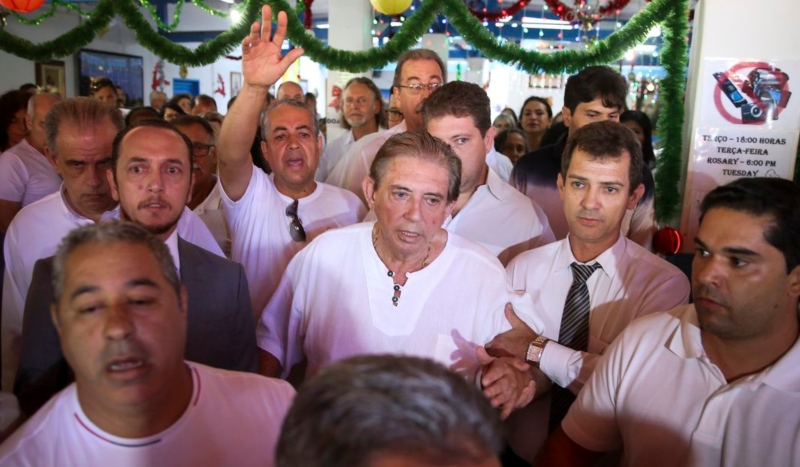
[[236, 16], [322, 26], [499, 25], [395, 24], [506, 19], [531, 20], [227, 1]]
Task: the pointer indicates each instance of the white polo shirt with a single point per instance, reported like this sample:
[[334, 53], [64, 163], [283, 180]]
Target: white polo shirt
[[260, 228], [26, 175], [632, 282], [335, 301], [232, 419], [35, 233], [354, 166], [210, 212], [502, 220], [657, 396]]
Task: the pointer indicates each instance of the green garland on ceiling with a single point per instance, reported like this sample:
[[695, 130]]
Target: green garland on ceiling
[[671, 14]]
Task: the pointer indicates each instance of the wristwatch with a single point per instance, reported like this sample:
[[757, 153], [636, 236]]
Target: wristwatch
[[535, 349]]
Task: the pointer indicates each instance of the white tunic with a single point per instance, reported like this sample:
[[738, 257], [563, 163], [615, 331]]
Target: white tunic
[[233, 419], [632, 282], [332, 154], [657, 396], [35, 233], [335, 301], [260, 228], [26, 175]]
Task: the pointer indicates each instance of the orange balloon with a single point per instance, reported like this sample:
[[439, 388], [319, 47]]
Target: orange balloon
[[22, 6], [391, 7]]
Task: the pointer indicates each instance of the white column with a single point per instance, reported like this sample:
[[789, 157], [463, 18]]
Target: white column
[[350, 28], [733, 134]]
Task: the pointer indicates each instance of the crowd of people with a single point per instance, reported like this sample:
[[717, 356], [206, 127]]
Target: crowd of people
[[439, 288]]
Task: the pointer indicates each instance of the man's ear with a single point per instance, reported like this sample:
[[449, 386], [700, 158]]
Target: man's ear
[[566, 114], [488, 139], [368, 186], [113, 185], [51, 158], [636, 196], [560, 185], [54, 317]]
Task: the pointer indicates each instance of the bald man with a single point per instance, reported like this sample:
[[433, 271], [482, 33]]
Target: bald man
[[292, 91]]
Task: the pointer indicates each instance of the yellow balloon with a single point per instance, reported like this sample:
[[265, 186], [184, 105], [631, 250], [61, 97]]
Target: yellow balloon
[[391, 7]]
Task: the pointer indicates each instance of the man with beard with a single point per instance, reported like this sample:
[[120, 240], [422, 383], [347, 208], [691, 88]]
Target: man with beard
[[121, 314], [79, 134], [361, 116], [151, 178], [272, 218], [715, 382]]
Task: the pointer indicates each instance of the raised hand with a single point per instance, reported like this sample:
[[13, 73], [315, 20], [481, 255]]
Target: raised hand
[[262, 63]]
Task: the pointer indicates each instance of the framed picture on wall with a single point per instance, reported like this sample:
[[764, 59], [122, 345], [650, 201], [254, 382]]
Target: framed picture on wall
[[51, 77], [125, 71], [236, 83]]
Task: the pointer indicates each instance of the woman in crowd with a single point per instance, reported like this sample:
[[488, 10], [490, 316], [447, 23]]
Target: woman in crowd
[[184, 101], [513, 143], [172, 110], [13, 110], [103, 88], [639, 122], [535, 117], [504, 122]]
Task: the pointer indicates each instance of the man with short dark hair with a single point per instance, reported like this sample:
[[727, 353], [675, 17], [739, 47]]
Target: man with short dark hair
[[272, 217], [151, 178], [25, 173], [597, 93], [206, 199], [418, 73], [488, 211], [123, 317], [203, 103], [715, 382], [362, 111], [590, 285], [389, 410]]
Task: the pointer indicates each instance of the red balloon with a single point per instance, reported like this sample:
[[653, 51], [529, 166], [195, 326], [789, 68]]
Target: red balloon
[[22, 6], [667, 241]]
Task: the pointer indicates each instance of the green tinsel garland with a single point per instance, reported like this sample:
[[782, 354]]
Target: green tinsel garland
[[671, 13]]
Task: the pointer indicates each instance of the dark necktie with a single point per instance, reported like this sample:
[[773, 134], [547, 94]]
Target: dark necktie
[[574, 334]]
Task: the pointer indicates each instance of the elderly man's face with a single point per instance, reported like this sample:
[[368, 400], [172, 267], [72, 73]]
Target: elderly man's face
[[292, 147], [153, 179], [205, 156], [740, 284], [410, 203], [360, 105], [82, 158], [157, 101], [416, 72], [121, 325], [291, 91], [42, 105]]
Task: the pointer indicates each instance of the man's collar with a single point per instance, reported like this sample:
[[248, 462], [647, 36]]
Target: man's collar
[[609, 259]]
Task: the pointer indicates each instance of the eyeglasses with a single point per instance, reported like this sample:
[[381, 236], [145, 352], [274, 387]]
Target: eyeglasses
[[416, 89], [201, 150], [296, 229]]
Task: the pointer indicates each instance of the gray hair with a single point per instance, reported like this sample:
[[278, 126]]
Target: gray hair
[[113, 231], [419, 145], [278, 104], [362, 407], [417, 54], [38, 98], [81, 112], [380, 117]]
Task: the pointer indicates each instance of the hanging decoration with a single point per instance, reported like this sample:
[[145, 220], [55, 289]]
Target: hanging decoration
[[22, 6], [512, 10], [390, 7], [305, 5], [221, 88], [670, 14], [569, 14], [159, 80]]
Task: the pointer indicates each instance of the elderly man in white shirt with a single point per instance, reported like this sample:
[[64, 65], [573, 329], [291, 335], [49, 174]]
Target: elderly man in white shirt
[[80, 133], [489, 211], [25, 173], [362, 112], [400, 285], [593, 283], [716, 382], [271, 218], [121, 314]]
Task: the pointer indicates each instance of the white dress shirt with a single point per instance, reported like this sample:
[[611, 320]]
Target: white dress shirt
[[658, 397], [26, 175], [500, 163], [211, 213], [332, 154]]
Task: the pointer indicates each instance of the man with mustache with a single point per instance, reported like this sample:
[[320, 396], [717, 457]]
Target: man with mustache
[[121, 315], [271, 218], [151, 178], [591, 284], [79, 133], [716, 382], [362, 113]]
